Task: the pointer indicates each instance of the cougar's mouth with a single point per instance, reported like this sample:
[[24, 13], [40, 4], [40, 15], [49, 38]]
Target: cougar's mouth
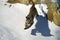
[[28, 25]]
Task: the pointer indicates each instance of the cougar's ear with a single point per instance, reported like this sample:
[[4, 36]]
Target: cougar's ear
[[27, 17]]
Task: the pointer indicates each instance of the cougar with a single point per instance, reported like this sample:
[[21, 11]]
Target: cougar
[[30, 17]]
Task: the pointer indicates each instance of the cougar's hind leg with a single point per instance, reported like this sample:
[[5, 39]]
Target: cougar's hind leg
[[46, 16], [36, 12], [37, 15]]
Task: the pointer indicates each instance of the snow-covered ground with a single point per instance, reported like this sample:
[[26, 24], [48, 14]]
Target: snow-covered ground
[[12, 20]]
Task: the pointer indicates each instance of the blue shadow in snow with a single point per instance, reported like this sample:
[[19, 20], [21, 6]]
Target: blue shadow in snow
[[41, 26]]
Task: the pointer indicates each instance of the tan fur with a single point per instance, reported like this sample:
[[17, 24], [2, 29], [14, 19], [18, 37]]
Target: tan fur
[[53, 13], [23, 1]]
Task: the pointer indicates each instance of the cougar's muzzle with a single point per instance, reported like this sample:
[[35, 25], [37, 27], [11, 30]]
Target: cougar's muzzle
[[28, 23]]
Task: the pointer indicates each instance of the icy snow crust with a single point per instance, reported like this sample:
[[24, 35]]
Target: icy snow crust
[[12, 22]]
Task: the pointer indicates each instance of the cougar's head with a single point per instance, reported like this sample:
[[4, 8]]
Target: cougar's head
[[29, 22]]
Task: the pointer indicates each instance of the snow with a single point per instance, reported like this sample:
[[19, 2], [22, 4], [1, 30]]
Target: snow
[[12, 23]]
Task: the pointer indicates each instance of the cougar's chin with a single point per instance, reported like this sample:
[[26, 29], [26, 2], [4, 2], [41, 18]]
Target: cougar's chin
[[27, 26]]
